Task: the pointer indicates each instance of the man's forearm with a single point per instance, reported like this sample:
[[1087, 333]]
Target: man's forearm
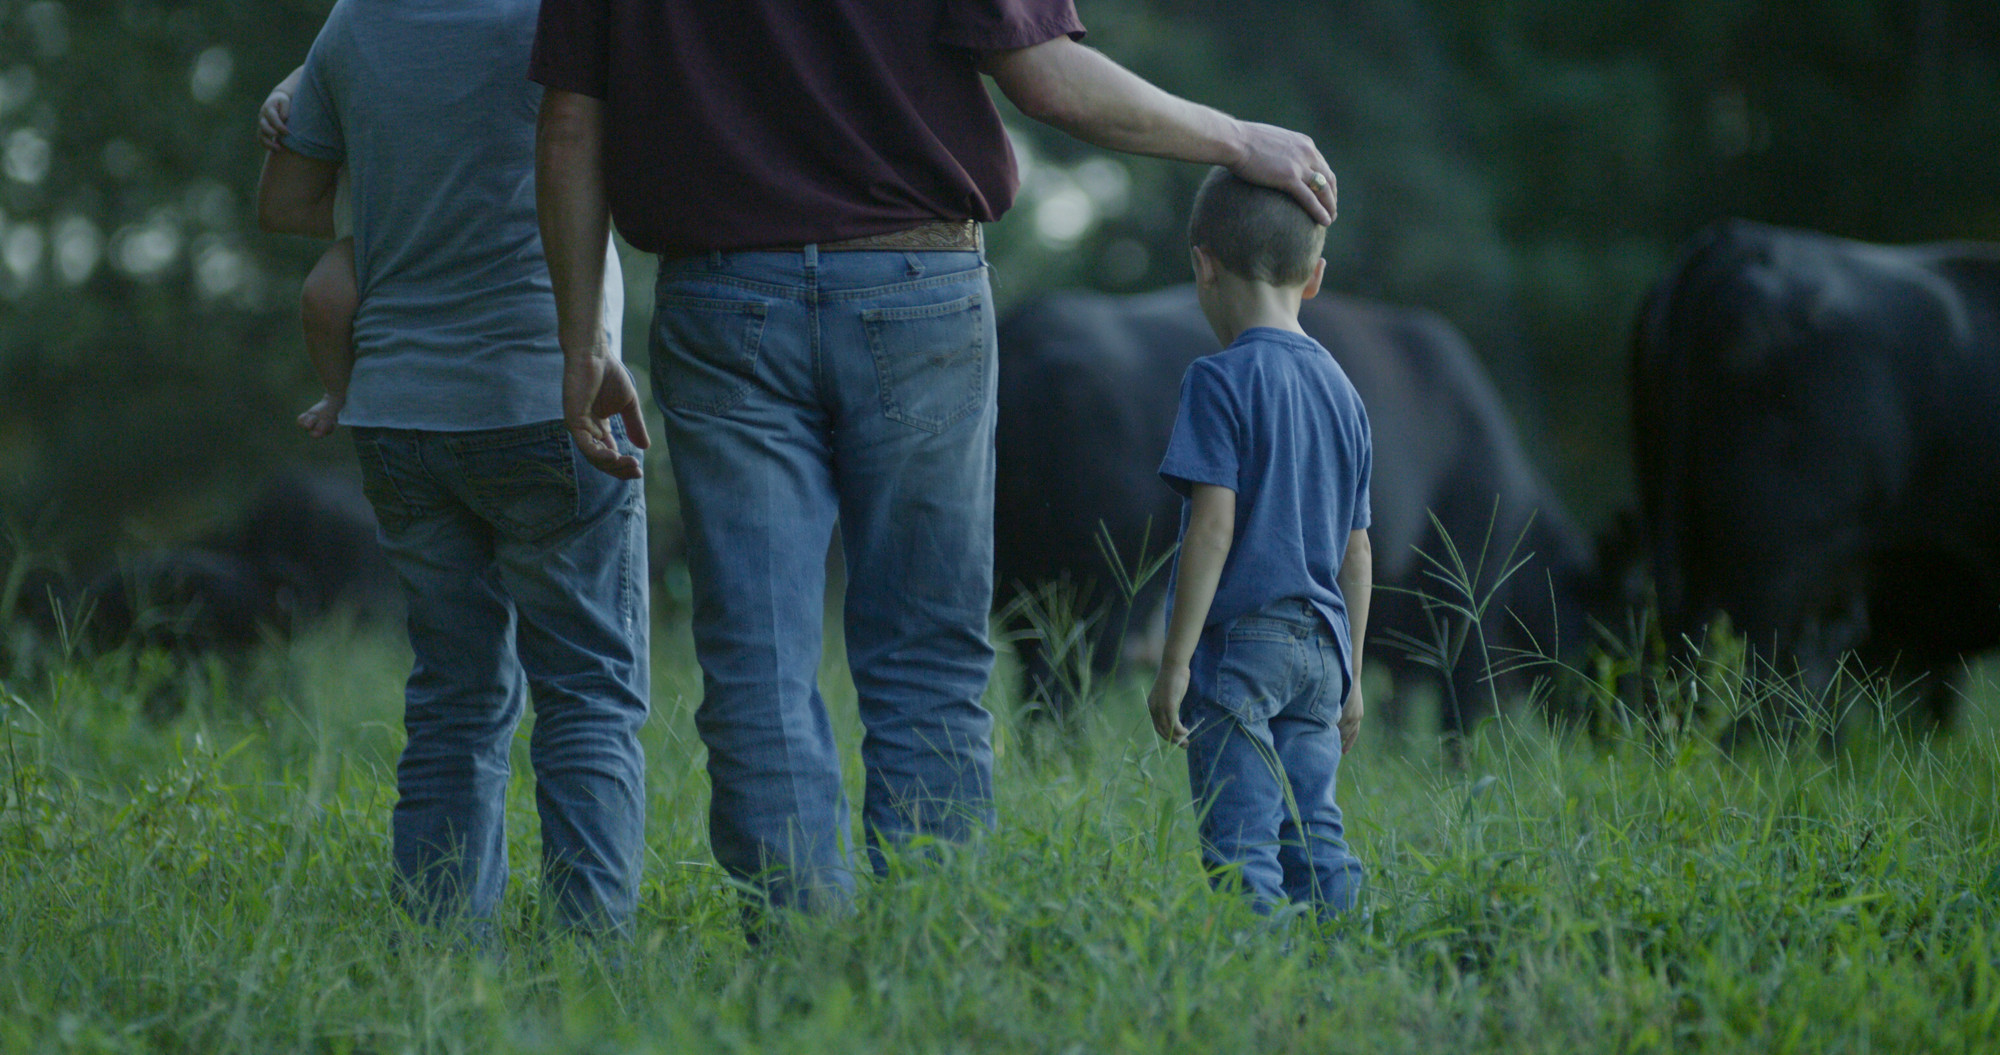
[[574, 216], [1083, 92]]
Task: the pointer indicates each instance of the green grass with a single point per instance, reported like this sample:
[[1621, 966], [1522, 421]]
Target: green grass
[[219, 884]]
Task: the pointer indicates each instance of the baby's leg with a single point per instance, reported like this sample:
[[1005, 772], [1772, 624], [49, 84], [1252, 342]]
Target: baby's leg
[[326, 306]]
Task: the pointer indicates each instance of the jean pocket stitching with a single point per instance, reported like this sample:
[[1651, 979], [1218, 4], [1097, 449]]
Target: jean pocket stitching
[[682, 358], [970, 277], [484, 440], [970, 359], [1261, 633], [543, 455], [1273, 685], [378, 485], [1327, 700]]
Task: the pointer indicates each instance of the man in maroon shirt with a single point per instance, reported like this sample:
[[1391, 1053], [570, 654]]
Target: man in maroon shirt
[[813, 179]]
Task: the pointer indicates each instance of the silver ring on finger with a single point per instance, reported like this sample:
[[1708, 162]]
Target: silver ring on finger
[[1316, 181]]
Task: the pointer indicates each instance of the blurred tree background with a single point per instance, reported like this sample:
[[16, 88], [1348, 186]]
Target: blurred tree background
[[1524, 167]]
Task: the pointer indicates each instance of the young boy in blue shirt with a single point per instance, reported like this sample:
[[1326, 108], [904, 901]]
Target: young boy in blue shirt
[[1260, 680]]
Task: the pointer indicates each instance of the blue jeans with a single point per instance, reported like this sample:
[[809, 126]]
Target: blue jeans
[[522, 567], [1263, 752], [799, 389]]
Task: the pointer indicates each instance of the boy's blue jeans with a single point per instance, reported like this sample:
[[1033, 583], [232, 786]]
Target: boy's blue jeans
[[801, 388], [524, 572], [1263, 751]]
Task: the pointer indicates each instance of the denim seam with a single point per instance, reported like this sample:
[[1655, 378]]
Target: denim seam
[[489, 439], [689, 300], [388, 479], [1334, 682], [921, 311], [628, 589], [946, 279], [814, 304]]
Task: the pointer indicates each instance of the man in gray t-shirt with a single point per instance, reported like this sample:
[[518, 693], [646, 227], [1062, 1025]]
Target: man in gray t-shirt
[[523, 569]]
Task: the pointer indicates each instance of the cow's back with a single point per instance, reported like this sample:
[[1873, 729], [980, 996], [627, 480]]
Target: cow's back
[[1817, 442]]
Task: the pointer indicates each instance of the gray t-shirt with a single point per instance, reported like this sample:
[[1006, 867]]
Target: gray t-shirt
[[431, 109]]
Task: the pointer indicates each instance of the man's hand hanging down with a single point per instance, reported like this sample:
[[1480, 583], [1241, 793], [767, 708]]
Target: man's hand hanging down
[[595, 389]]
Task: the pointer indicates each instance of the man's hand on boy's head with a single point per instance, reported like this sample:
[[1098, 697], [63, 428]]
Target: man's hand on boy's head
[[1169, 687], [273, 117], [1288, 161], [1350, 719]]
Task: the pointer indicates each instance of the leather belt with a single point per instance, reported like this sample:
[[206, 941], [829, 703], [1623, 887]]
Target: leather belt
[[934, 236]]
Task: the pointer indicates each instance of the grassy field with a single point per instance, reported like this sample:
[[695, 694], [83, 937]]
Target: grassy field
[[218, 883]]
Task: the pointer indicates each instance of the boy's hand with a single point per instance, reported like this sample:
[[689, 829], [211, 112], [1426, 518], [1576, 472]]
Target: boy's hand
[[273, 117], [1350, 719], [1165, 702]]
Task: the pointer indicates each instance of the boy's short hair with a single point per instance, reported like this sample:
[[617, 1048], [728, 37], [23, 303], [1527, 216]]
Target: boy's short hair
[[1255, 232]]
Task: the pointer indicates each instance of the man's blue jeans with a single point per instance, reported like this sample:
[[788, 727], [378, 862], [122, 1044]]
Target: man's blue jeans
[[524, 572], [799, 389], [1263, 751]]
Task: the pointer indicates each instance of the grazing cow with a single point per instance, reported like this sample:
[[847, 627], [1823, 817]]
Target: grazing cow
[[1816, 429], [314, 535], [188, 600], [305, 547], [1088, 389]]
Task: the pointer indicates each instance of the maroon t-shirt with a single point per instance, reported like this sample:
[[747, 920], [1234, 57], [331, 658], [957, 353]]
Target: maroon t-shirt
[[735, 124]]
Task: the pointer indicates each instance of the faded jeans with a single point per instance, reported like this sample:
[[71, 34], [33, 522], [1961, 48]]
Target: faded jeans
[[800, 389], [1263, 752], [523, 568]]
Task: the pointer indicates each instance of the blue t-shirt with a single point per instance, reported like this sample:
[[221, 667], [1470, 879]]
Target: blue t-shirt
[[430, 108], [1273, 418]]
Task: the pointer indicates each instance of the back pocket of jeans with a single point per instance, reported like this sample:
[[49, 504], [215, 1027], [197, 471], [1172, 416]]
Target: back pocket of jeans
[[522, 481], [930, 360], [705, 351], [378, 485], [1254, 676]]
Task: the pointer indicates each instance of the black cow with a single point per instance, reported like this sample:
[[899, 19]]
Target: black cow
[[189, 600], [1088, 389], [314, 534], [1817, 442], [305, 547]]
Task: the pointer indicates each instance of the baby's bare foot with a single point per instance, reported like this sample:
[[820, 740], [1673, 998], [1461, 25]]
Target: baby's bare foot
[[320, 419]]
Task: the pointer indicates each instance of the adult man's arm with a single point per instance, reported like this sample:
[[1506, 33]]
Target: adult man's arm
[[1083, 92], [295, 194], [576, 220]]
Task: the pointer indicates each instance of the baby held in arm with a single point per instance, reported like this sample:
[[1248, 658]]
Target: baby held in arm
[[330, 295]]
